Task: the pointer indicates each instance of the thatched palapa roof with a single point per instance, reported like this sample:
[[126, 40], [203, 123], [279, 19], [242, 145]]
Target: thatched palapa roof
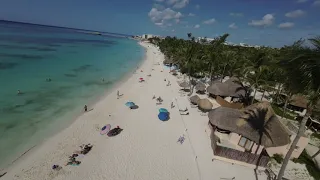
[[205, 104], [299, 101], [200, 86], [194, 99], [229, 88], [184, 84], [251, 122]]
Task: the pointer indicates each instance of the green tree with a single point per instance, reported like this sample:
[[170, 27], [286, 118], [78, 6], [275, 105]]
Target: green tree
[[303, 68]]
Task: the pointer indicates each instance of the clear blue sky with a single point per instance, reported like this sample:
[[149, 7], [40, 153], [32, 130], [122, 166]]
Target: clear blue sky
[[262, 22]]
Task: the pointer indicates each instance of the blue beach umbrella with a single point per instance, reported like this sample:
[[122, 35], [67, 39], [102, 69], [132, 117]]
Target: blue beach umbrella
[[163, 110], [130, 104], [163, 116]]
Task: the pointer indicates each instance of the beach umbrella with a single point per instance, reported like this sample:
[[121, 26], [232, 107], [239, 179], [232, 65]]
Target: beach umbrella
[[205, 104], [200, 86], [163, 110], [194, 99], [163, 116], [129, 104], [140, 78], [184, 84]]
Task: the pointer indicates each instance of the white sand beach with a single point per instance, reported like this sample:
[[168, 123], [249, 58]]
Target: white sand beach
[[146, 149]]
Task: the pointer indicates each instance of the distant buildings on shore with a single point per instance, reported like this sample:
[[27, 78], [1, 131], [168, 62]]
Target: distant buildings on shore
[[205, 39], [146, 36]]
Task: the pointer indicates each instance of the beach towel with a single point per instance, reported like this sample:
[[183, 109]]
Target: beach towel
[[114, 131], [163, 110]]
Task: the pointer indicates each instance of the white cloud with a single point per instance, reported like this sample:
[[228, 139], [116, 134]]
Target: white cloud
[[172, 30], [209, 21], [197, 6], [236, 14], [191, 14], [159, 0], [161, 17], [166, 14], [286, 25], [197, 26], [233, 26], [159, 23], [177, 21], [266, 20], [295, 14], [178, 4], [301, 1], [316, 3]]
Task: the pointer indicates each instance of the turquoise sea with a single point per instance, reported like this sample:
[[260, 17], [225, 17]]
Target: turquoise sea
[[75, 62]]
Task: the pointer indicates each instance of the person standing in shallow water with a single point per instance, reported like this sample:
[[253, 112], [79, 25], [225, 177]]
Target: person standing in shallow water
[[85, 108]]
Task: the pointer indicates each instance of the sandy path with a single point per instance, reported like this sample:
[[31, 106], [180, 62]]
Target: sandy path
[[147, 149]]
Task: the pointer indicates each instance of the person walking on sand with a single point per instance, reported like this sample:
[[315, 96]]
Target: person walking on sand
[[118, 94], [85, 108]]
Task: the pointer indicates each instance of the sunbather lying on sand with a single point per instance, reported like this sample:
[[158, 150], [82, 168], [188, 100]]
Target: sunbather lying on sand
[[84, 149], [56, 167]]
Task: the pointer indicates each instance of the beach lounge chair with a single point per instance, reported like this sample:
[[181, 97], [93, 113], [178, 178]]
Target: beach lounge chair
[[184, 113], [183, 110]]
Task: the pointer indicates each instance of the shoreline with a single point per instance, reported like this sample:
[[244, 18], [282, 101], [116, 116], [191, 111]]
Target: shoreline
[[90, 105], [146, 149]]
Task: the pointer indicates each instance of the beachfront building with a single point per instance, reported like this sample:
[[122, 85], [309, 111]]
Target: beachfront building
[[230, 90], [250, 136], [298, 104], [148, 36], [205, 39], [301, 145]]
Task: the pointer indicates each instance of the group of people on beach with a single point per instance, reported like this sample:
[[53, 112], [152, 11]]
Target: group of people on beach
[[85, 149]]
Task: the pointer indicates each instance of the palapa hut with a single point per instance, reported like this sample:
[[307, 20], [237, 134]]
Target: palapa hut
[[225, 103], [184, 84], [298, 104], [200, 87], [205, 105], [230, 88], [194, 99], [241, 135]]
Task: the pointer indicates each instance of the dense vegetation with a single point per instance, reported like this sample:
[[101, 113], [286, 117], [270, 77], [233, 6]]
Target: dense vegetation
[[278, 158], [292, 69], [304, 158]]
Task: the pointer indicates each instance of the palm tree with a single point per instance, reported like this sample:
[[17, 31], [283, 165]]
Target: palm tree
[[316, 154], [214, 51], [303, 69], [256, 79]]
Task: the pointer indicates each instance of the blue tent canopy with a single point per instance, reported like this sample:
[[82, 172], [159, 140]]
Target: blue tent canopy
[[130, 104], [163, 110], [163, 116]]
